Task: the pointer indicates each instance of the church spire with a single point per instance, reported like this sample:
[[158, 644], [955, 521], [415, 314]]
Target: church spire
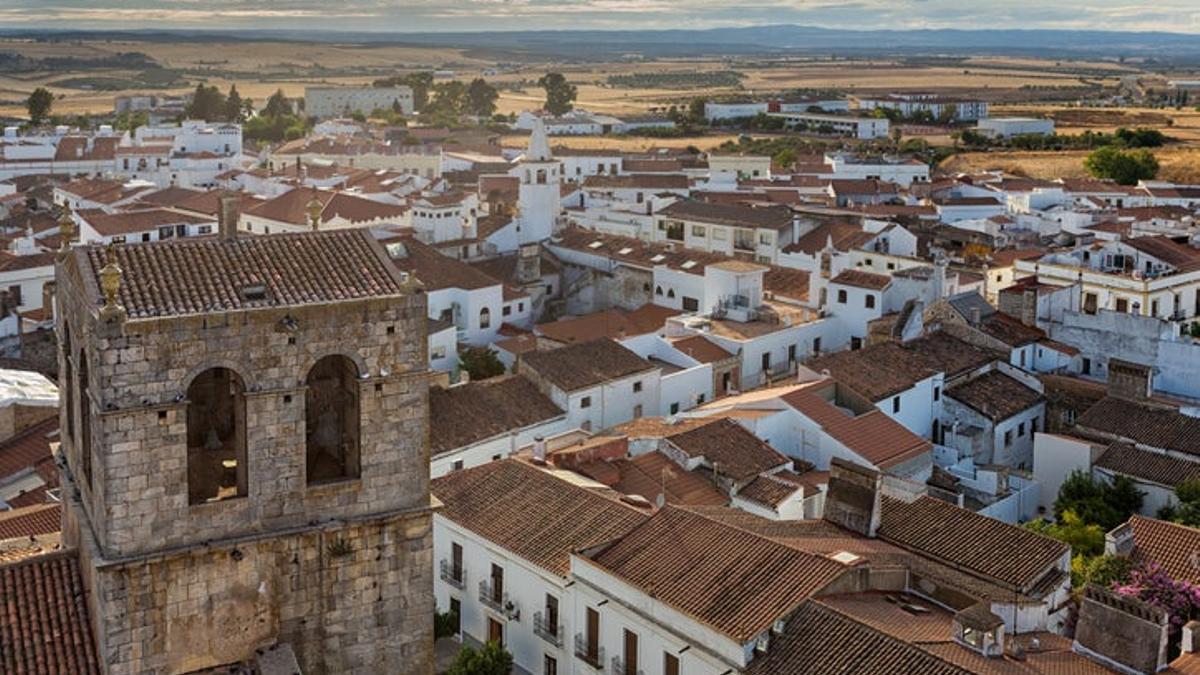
[[539, 145]]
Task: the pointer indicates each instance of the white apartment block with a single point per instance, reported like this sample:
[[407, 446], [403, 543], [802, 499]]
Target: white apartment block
[[325, 102]]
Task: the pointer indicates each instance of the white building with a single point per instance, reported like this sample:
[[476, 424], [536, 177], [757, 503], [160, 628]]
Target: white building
[[1007, 127], [324, 102], [843, 125], [539, 196], [909, 104]]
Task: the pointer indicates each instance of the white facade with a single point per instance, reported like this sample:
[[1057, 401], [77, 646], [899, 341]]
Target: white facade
[[496, 448], [845, 125], [611, 402], [1007, 127], [337, 101], [539, 198]]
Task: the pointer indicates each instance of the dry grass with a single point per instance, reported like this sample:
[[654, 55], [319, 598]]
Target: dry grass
[[1178, 164], [625, 144]]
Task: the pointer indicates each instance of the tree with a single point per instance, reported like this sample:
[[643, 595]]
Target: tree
[[1086, 539], [1126, 167], [130, 121], [481, 98], [560, 94], [1187, 510], [1100, 503], [38, 104], [696, 110], [490, 659], [445, 624], [233, 105], [277, 106], [948, 115], [420, 83], [208, 103], [480, 363]]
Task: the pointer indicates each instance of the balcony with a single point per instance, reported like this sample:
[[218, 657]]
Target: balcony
[[497, 601], [455, 576], [594, 659], [549, 632], [618, 668]]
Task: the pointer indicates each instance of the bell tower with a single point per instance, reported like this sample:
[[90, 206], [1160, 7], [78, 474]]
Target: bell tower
[[539, 196], [244, 455]]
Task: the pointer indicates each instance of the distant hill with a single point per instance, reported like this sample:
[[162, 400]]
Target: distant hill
[[783, 39]]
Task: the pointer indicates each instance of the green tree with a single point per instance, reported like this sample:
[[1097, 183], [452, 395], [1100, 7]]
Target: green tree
[[1084, 538], [696, 110], [481, 98], [277, 105], [208, 103], [1186, 510], [39, 104], [1126, 167], [785, 157], [490, 659], [233, 105], [948, 115], [130, 121], [1100, 503], [449, 100], [420, 83], [480, 363], [445, 624], [560, 94], [1102, 570]]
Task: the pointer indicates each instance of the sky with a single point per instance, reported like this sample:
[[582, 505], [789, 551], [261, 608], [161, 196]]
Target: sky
[[1181, 16]]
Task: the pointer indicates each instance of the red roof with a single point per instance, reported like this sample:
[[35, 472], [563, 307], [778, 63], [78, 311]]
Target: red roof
[[44, 622]]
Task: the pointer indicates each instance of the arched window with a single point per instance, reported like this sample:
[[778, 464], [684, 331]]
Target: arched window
[[541, 176], [671, 293], [216, 436], [658, 290], [84, 442], [485, 318], [68, 381], [331, 420]]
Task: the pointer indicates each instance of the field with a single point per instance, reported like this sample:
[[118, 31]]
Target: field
[[1178, 164], [258, 68]]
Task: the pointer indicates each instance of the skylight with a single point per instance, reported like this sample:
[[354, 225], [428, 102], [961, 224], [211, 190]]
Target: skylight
[[658, 258]]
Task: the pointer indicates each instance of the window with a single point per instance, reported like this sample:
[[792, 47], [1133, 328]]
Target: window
[[205, 229], [69, 381], [1022, 358], [1021, 430], [637, 387], [937, 393], [438, 352], [551, 614], [1122, 305], [841, 296], [690, 304], [497, 583], [631, 652], [637, 411], [870, 301], [585, 402], [895, 404], [658, 290], [331, 422], [1033, 426], [856, 344], [118, 240], [697, 230], [456, 561], [816, 345], [485, 318], [765, 238], [670, 664], [520, 306], [674, 408], [791, 353], [216, 436], [549, 665], [457, 465], [505, 312], [670, 292], [766, 361], [1008, 438], [591, 647], [1087, 366]]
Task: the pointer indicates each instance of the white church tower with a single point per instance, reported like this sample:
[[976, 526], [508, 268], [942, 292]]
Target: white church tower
[[539, 200]]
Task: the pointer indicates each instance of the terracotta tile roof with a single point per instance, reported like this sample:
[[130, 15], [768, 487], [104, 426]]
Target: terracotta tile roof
[[169, 196], [969, 541], [769, 490], [44, 622], [888, 368], [701, 349], [659, 427], [11, 262], [995, 395], [209, 203], [1172, 546], [1009, 256], [482, 409], [772, 217], [1173, 253], [818, 640], [585, 364], [199, 275], [1059, 346], [1009, 330], [845, 236], [1144, 423], [872, 435], [75, 148], [860, 279], [132, 222], [30, 521], [1147, 465], [730, 448], [734, 581], [27, 448], [648, 474], [648, 181], [435, 270], [786, 282], [532, 513], [292, 207], [613, 323], [651, 165]]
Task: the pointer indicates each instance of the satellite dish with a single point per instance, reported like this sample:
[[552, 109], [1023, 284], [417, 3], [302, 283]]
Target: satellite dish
[[660, 500]]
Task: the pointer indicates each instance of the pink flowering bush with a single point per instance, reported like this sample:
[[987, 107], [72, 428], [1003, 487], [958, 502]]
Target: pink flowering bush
[[1151, 583]]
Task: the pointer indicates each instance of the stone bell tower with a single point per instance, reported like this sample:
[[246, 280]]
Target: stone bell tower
[[245, 463]]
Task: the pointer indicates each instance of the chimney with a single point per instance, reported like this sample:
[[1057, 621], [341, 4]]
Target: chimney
[[1190, 634], [1128, 380], [228, 215], [1122, 630], [1119, 541], [529, 264], [852, 499], [539, 450], [974, 313]]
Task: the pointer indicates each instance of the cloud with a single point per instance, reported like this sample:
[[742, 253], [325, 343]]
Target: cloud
[[474, 15]]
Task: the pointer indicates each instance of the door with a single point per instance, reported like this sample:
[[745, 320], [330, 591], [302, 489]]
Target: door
[[593, 634], [670, 664], [456, 612], [495, 632]]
